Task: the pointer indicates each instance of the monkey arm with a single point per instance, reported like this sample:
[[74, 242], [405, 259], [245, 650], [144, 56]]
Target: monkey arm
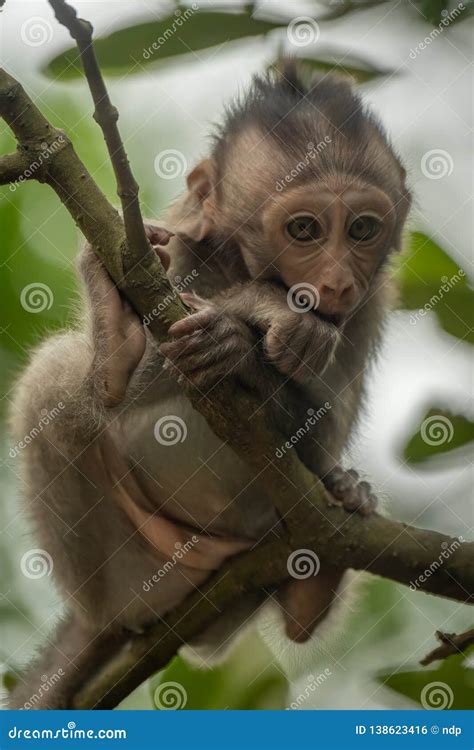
[[299, 343]]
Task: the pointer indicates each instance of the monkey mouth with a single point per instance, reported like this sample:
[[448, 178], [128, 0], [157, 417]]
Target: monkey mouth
[[337, 319]]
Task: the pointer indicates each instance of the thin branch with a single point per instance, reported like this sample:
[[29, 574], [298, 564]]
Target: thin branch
[[384, 547], [106, 115], [13, 167], [451, 644]]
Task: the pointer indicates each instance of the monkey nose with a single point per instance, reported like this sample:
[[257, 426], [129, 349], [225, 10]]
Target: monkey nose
[[336, 298]]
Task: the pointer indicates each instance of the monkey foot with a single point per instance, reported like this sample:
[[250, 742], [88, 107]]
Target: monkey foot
[[353, 495]]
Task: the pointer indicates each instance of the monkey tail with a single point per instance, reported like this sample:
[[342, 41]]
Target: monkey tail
[[66, 661]]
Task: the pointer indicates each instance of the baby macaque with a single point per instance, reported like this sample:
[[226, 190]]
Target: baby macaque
[[279, 246]]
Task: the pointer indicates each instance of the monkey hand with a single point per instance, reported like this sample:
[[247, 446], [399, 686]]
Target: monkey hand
[[208, 345], [300, 345], [118, 333], [352, 494]]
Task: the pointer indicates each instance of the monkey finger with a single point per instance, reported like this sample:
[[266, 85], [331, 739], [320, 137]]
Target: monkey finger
[[158, 235], [190, 324], [194, 300], [185, 345], [163, 256]]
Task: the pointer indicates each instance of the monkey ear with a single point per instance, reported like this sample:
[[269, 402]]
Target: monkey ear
[[198, 207]]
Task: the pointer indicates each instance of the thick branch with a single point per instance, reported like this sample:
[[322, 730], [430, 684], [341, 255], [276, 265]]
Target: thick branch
[[388, 551], [376, 544]]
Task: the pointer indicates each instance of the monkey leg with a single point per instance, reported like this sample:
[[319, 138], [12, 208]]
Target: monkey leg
[[351, 493], [306, 602], [53, 678]]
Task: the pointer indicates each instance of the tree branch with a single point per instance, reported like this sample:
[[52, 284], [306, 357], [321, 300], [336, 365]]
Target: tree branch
[[310, 519], [13, 167], [451, 644]]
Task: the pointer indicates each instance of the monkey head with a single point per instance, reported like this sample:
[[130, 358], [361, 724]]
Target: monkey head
[[304, 185]]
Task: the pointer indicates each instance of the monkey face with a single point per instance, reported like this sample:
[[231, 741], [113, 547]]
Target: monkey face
[[333, 235]]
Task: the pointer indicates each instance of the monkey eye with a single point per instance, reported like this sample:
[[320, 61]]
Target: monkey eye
[[303, 229], [364, 228]]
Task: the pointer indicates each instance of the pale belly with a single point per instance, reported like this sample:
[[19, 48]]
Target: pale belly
[[192, 475]]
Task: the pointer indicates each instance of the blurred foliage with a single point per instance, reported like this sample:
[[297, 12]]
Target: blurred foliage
[[39, 244], [241, 683], [357, 69], [454, 691], [128, 50], [440, 432], [430, 281]]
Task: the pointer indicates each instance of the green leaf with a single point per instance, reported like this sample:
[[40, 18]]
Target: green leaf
[[128, 50], [247, 680], [336, 61], [450, 686], [431, 282], [432, 10], [35, 292], [439, 432]]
